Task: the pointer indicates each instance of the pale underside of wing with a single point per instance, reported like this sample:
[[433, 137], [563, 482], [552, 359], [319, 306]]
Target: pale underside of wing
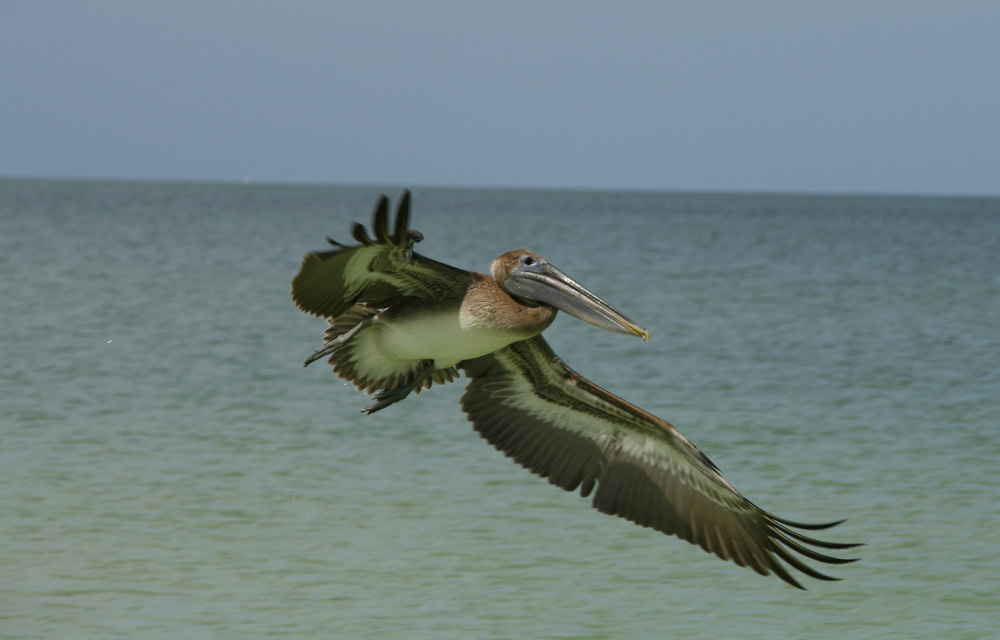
[[359, 361], [529, 405]]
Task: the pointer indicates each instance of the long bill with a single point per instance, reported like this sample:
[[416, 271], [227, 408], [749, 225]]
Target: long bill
[[541, 282]]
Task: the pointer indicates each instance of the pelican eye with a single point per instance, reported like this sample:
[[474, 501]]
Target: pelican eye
[[528, 260]]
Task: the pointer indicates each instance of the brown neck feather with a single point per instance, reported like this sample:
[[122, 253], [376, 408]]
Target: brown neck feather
[[499, 309]]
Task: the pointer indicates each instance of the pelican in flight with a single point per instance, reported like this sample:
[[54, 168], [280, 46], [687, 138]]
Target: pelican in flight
[[400, 322]]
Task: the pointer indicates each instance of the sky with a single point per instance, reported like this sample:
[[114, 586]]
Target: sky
[[846, 96]]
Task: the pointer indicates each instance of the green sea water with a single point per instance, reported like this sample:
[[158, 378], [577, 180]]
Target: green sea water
[[168, 469]]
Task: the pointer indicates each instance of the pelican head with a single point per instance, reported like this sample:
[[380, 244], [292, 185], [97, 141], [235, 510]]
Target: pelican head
[[524, 275]]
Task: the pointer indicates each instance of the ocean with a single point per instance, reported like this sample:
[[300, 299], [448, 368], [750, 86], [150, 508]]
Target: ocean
[[168, 469]]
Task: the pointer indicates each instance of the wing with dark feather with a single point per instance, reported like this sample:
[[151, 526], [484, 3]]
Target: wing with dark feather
[[535, 409], [377, 273]]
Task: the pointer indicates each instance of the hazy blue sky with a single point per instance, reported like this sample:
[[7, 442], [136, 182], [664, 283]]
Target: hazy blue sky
[[897, 96]]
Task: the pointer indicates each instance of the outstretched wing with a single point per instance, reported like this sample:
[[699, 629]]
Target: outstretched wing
[[549, 419], [378, 272]]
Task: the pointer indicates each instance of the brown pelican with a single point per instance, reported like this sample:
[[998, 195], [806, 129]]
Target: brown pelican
[[400, 322]]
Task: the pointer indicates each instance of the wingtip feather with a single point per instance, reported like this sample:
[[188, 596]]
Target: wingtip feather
[[402, 219], [380, 220]]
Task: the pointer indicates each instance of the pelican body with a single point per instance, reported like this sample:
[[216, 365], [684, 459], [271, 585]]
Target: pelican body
[[400, 322]]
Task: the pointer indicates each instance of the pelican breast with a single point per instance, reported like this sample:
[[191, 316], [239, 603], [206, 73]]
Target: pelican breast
[[485, 319]]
